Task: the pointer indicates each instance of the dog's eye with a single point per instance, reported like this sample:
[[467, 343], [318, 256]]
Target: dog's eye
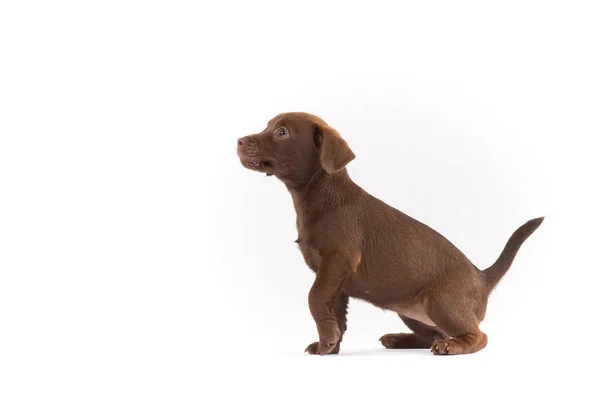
[[282, 132]]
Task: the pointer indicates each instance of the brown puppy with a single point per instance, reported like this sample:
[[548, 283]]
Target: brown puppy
[[359, 246]]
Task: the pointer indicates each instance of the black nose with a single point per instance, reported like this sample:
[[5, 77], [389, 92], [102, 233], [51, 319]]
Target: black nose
[[241, 142]]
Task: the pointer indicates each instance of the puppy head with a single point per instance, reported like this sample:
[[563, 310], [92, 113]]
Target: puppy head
[[293, 147]]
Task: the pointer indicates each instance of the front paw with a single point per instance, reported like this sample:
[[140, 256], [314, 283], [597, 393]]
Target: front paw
[[326, 347], [313, 349], [328, 342]]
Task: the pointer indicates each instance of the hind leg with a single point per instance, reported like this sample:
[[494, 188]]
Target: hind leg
[[459, 320], [422, 338]]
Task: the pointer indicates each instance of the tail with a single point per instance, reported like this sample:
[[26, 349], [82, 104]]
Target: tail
[[494, 273]]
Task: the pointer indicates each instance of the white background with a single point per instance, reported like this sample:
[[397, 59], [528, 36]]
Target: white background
[[138, 259]]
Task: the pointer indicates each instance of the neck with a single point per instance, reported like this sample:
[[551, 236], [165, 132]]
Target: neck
[[323, 192]]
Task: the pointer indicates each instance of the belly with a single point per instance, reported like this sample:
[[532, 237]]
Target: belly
[[414, 311], [407, 306]]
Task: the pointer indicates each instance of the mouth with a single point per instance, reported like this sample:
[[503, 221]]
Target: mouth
[[257, 165]]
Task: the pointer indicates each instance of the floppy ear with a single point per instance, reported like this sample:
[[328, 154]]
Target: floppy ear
[[335, 153]]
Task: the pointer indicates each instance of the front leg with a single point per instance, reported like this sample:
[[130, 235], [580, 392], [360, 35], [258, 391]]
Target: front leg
[[341, 310], [328, 304]]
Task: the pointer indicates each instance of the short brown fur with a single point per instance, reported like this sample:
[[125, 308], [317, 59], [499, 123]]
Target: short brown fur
[[360, 247]]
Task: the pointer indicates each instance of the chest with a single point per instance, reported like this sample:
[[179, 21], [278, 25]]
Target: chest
[[310, 252], [306, 241]]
